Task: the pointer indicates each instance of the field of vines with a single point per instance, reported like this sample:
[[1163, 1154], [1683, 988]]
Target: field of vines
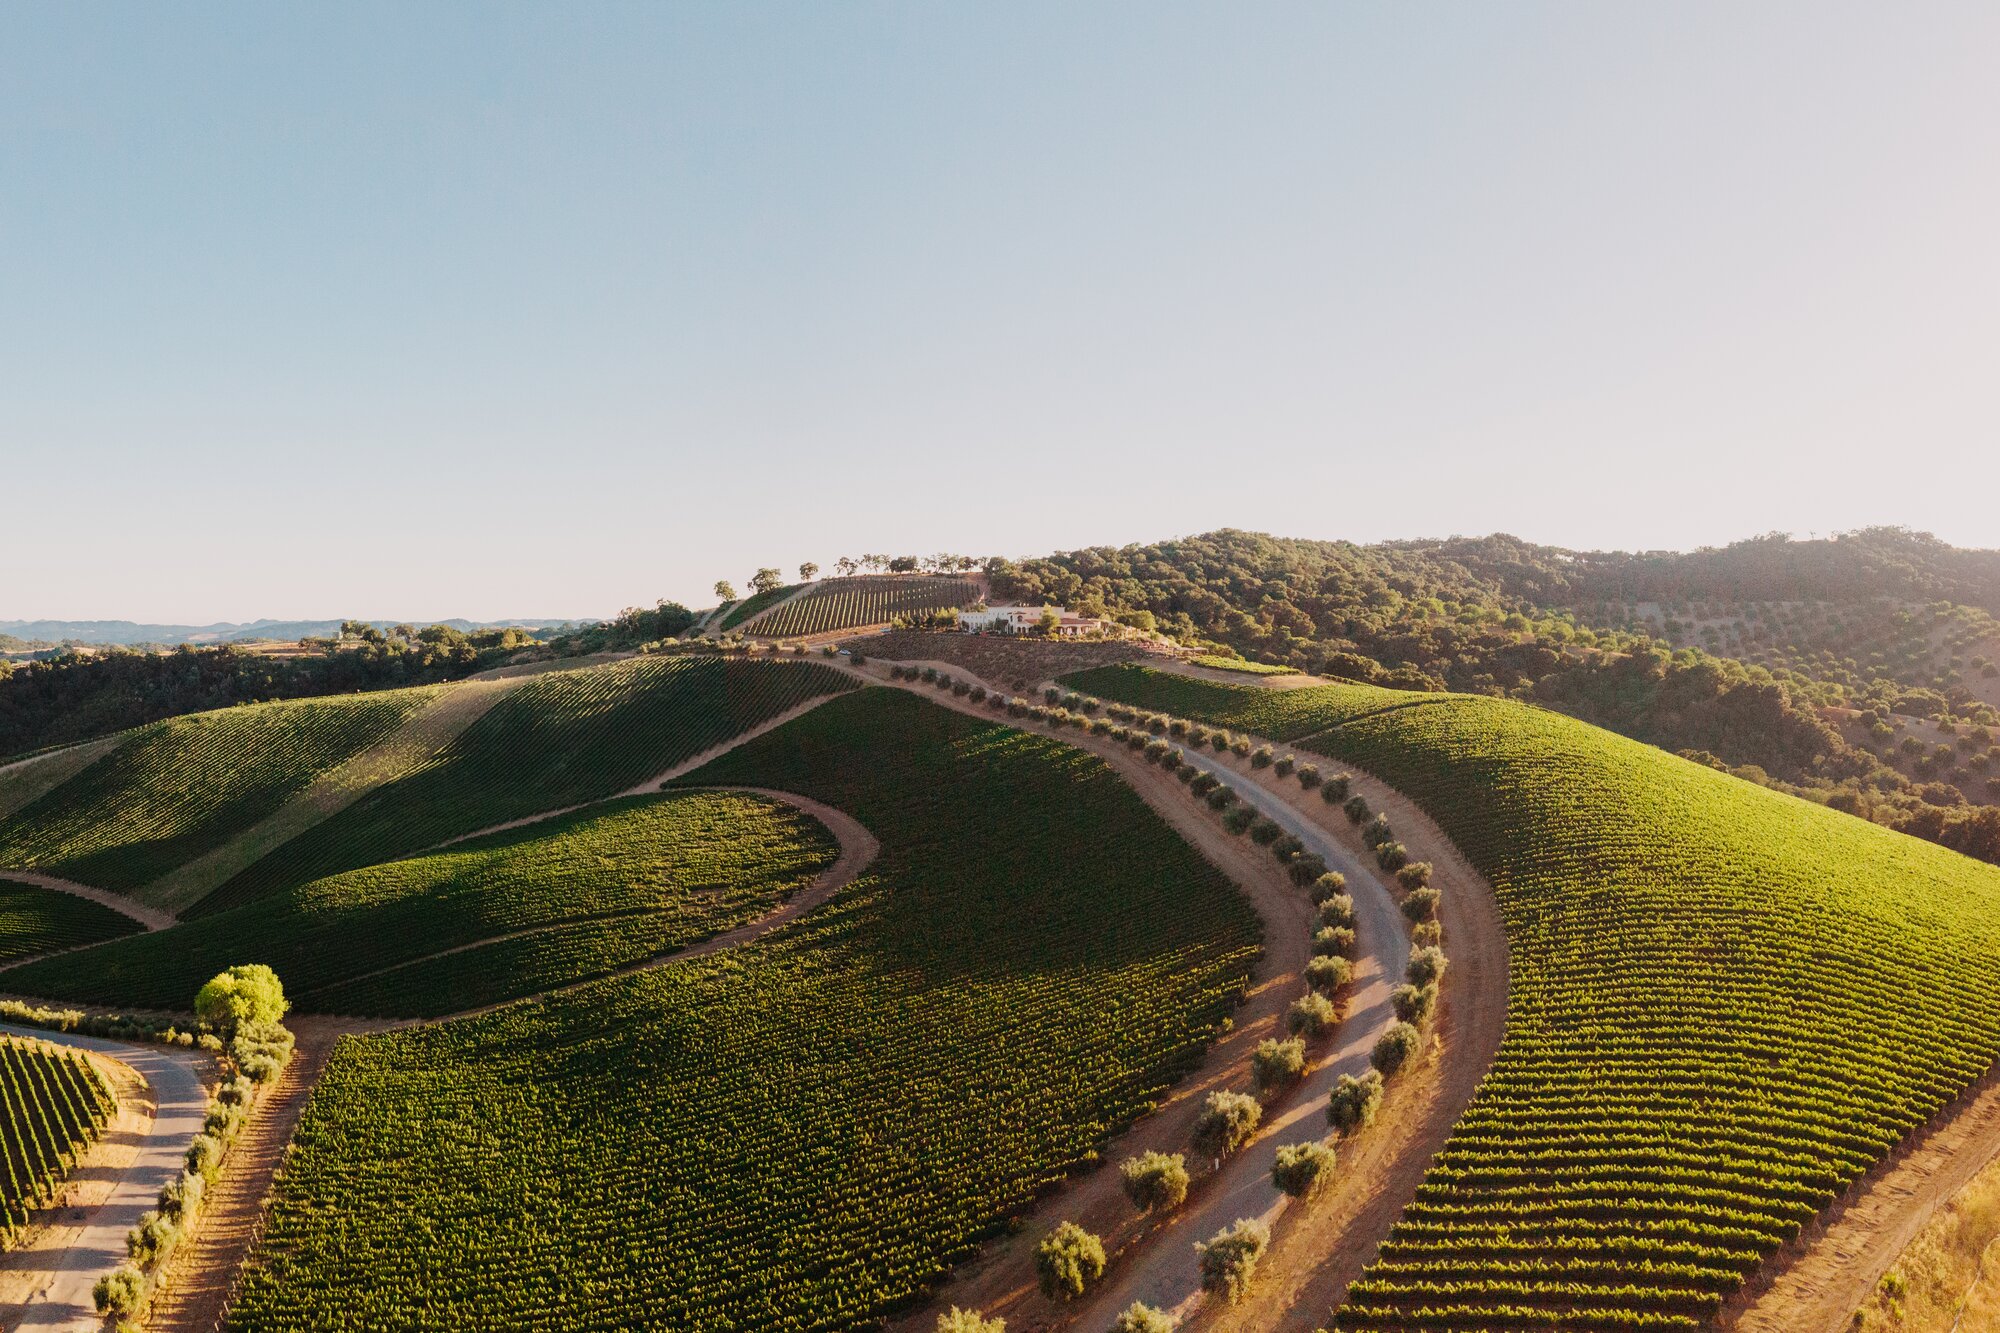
[[36, 921], [52, 1106], [561, 739], [867, 600], [802, 1132], [755, 603], [1724, 1005], [600, 888], [183, 787]]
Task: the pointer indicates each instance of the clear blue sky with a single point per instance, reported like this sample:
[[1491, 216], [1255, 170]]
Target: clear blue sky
[[507, 309]]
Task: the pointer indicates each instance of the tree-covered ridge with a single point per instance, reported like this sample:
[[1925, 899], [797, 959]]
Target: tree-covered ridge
[[535, 907], [1497, 616], [796, 1134], [78, 696], [1724, 1005]]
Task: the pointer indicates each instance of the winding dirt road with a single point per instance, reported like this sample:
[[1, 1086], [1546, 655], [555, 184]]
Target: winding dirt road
[[150, 917], [62, 1275]]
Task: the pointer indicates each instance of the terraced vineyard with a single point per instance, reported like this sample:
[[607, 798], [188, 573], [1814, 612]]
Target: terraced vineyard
[[52, 1106], [797, 1133], [182, 787], [562, 739], [1724, 1006], [755, 603], [841, 604], [554, 902], [37, 921]]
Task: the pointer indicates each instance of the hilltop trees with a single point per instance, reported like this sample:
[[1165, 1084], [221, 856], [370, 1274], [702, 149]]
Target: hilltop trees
[[766, 579], [808, 572], [725, 591]]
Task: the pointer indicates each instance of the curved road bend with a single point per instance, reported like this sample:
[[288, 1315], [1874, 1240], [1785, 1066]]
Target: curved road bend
[[62, 1299]]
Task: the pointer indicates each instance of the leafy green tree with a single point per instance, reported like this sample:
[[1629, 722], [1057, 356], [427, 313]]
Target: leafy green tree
[[1227, 1121], [766, 580], [725, 590], [1229, 1259], [242, 995], [956, 1320], [1396, 1048], [808, 572], [1142, 1318], [1302, 1169], [1277, 1064], [1352, 1105], [1069, 1261], [1154, 1181]]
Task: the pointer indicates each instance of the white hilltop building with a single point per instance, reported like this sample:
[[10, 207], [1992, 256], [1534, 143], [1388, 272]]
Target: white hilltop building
[[1028, 620]]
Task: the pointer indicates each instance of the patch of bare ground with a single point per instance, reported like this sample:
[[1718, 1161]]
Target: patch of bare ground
[[1816, 1284], [1316, 1250]]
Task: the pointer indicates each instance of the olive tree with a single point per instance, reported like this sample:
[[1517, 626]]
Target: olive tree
[[1227, 1121], [1142, 1318], [1229, 1259], [1311, 1016], [1068, 1261], [1154, 1181], [1352, 1105], [1302, 1169], [1330, 885], [1277, 1064], [1396, 1048], [1414, 1004], [956, 1320], [1328, 974]]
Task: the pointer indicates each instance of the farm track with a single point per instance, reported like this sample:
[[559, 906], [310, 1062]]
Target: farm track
[[149, 917], [1845, 1254], [151, 1141], [1316, 1250]]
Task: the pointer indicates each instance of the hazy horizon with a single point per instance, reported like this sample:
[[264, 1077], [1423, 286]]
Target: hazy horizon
[[467, 310]]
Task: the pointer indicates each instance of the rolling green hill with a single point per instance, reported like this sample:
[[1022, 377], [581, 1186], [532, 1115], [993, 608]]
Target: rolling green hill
[[180, 788], [561, 739], [1725, 1005], [797, 1133], [37, 921], [536, 907]]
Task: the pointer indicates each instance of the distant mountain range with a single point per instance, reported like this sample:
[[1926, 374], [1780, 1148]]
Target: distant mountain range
[[131, 632]]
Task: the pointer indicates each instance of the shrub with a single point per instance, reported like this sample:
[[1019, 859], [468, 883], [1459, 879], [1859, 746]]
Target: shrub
[[1311, 1016], [1155, 750], [1354, 1101], [1415, 875], [1335, 789], [1302, 1169], [1306, 868], [247, 994], [1333, 941], [956, 1320], [1414, 1004], [1220, 741], [1356, 808], [1421, 905], [960, 688], [1283, 767], [1392, 855], [979, 694], [1154, 1181], [1265, 832], [149, 1242], [1277, 1064], [1222, 797], [1239, 820], [1426, 966], [1239, 747], [223, 1121], [1198, 737], [1204, 783], [1227, 1121], [204, 1155], [119, 1292], [1068, 1261], [1142, 1318], [1229, 1260], [1377, 831], [181, 1196], [1261, 758], [1426, 934], [1330, 885], [1328, 974], [1309, 776], [1337, 911], [1287, 847], [1397, 1047], [1051, 694], [1157, 723], [1178, 726]]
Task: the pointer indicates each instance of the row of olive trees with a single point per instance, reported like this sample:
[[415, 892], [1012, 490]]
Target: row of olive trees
[[243, 1006]]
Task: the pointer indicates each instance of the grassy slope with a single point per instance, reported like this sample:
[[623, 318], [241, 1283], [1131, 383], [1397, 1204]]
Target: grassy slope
[[1285, 715], [623, 881], [1725, 1004], [35, 921], [564, 738], [797, 1133], [756, 602], [182, 787]]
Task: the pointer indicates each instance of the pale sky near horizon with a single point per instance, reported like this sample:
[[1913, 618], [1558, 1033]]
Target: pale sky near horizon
[[505, 309]]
